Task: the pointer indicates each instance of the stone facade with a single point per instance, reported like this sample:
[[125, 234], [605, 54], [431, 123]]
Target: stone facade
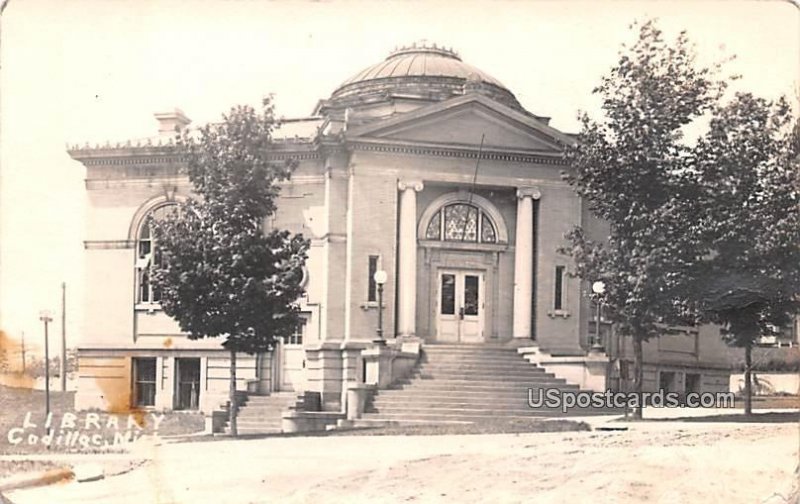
[[455, 192]]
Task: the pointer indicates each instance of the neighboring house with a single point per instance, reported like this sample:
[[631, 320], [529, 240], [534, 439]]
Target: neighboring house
[[421, 166]]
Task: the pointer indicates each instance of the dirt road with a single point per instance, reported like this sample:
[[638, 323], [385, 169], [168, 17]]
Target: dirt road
[[655, 462]]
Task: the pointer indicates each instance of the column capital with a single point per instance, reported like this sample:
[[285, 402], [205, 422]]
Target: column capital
[[416, 185], [529, 192]]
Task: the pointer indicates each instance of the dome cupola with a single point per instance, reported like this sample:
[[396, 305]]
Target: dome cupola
[[421, 71]]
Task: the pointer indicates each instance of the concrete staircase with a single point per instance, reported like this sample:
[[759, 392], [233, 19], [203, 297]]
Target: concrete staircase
[[467, 384], [261, 414]]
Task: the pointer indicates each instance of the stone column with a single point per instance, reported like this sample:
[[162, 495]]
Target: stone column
[[407, 258], [523, 262]]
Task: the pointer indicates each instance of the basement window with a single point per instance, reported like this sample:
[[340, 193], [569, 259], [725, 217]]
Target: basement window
[[144, 381]]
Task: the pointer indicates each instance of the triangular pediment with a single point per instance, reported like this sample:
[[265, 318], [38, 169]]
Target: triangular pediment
[[461, 122]]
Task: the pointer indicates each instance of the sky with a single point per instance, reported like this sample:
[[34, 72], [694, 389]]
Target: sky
[[91, 71]]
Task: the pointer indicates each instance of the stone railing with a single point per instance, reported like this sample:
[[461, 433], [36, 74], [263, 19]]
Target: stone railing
[[390, 363], [588, 372], [384, 365]]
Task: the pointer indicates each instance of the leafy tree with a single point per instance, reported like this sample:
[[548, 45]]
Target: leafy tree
[[629, 168], [747, 209], [219, 272], [4, 364], [36, 366]]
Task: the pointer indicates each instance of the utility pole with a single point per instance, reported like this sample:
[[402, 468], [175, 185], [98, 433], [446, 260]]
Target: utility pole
[[3, 5], [23, 352], [46, 317], [63, 365]]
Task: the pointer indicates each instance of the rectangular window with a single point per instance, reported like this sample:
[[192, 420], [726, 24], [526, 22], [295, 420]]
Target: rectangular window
[[471, 293], [796, 331], [558, 299], [666, 381], [144, 248], [448, 303], [296, 338], [144, 286], [187, 380], [371, 286], [693, 382], [144, 381]]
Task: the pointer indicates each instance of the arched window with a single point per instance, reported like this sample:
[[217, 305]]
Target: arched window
[[148, 255], [462, 222]]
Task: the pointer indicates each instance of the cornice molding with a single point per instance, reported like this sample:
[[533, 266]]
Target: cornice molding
[[300, 156], [182, 181], [329, 238], [109, 155], [455, 152], [142, 156], [303, 179], [114, 159], [108, 244], [95, 184], [465, 246]]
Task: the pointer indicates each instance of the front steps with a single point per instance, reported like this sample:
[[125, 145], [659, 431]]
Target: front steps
[[468, 384], [262, 414]]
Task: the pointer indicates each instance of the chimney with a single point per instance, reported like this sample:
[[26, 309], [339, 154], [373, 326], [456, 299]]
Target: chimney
[[171, 123]]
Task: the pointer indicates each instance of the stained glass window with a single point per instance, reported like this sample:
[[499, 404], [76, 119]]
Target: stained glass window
[[461, 222], [488, 234], [434, 231]]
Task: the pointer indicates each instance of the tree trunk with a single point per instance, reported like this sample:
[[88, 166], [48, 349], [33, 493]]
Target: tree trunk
[[638, 376], [748, 385], [232, 409]]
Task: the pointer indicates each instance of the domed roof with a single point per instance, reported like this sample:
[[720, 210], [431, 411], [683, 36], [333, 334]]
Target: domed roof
[[420, 71], [421, 61]]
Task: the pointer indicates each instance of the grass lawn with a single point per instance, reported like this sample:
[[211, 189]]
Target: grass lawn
[[769, 402], [91, 432], [500, 426], [12, 467]]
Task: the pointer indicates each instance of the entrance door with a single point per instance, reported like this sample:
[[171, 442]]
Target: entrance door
[[461, 306], [187, 383], [292, 361]]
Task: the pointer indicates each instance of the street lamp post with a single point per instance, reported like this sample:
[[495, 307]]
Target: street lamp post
[[63, 362], [598, 288], [380, 279], [46, 317]]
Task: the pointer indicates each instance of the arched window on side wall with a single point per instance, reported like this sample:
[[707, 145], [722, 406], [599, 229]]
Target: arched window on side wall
[[148, 255]]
